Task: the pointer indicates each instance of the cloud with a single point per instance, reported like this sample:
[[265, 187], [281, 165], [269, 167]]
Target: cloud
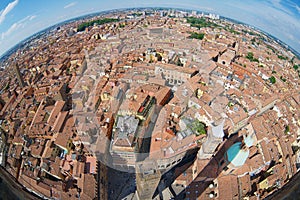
[[70, 5], [32, 17], [6, 10], [294, 5], [28, 18], [297, 8], [17, 25], [269, 18], [11, 29]]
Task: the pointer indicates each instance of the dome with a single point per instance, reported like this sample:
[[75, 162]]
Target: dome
[[236, 155]]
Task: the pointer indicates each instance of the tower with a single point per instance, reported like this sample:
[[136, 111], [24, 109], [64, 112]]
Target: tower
[[214, 138], [147, 179], [19, 76]]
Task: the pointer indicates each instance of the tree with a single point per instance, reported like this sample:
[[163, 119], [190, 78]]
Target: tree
[[272, 79], [250, 57], [200, 22], [198, 127], [282, 57], [287, 129], [84, 25], [198, 36]]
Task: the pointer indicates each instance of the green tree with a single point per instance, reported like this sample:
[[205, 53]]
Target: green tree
[[282, 57], [198, 127], [200, 22], [84, 25], [287, 129], [198, 36], [250, 57], [272, 79]]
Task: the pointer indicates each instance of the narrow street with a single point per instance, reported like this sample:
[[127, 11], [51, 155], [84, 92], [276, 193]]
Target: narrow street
[[122, 185]]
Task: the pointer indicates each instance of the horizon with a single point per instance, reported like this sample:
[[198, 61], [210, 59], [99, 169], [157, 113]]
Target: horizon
[[93, 14]]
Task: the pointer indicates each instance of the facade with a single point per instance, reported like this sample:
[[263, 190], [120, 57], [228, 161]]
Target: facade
[[175, 75]]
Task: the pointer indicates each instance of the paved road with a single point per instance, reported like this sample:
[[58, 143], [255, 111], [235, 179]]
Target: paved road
[[120, 184]]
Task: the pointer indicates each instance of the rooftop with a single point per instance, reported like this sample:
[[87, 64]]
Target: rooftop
[[236, 155]]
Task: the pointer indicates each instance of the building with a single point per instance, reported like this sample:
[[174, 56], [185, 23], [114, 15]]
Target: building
[[214, 138], [237, 154], [175, 75], [227, 57], [147, 179], [19, 76], [124, 139], [59, 92], [156, 32]]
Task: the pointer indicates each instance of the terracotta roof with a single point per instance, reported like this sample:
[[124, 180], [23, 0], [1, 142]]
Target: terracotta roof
[[87, 183], [244, 185], [91, 164], [228, 187], [55, 112], [57, 126]]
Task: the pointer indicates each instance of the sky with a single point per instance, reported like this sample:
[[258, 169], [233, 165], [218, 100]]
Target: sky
[[20, 19]]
